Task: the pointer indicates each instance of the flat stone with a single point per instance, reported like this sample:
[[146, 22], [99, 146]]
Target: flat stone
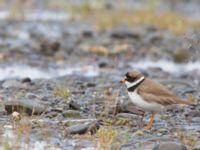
[[127, 115], [170, 146], [138, 133], [125, 33], [31, 96], [127, 147], [26, 106], [87, 33], [83, 128], [52, 114], [71, 114], [74, 105]]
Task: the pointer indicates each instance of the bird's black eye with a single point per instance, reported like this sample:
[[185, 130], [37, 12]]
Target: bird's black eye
[[131, 79]]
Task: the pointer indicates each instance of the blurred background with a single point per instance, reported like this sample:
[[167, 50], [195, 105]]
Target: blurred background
[[53, 35], [61, 62]]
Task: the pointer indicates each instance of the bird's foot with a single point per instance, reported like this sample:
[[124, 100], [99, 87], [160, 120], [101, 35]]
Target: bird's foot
[[147, 127]]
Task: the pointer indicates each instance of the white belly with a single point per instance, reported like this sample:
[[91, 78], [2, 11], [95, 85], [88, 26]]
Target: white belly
[[138, 101]]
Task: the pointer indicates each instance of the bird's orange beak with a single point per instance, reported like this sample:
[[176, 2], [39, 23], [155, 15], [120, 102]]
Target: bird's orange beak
[[122, 81]]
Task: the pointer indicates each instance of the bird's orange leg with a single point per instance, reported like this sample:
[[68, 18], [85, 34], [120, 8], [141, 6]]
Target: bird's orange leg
[[149, 126]]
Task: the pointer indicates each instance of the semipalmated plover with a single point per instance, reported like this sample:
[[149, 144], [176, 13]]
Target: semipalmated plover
[[150, 95]]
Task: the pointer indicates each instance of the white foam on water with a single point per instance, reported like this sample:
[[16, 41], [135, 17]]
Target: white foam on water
[[23, 71], [4, 15], [39, 15], [167, 66], [47, 16]]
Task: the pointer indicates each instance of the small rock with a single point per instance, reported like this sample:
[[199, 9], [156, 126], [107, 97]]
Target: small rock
[[31, 96], [124, 33], [16, 116], [196, 119], [138, 133], [164, 117], [71, 114], [52, 114], [74, 105], [49, 48], [181, 55], [25, 106], [127, 115], [83, 128], [197, 146], [193, 113], [26, 80], [153, 37], [57, 109], [87, 34], [162, 131], [91, 84], [103, 63], [170, 146], [127, 147]]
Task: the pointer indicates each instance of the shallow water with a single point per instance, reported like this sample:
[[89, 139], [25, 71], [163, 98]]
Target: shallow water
[[168, 66], [39, 15], [23, 71]]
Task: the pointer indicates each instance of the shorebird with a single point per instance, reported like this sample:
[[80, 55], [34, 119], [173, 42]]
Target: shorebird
[[150, 95]]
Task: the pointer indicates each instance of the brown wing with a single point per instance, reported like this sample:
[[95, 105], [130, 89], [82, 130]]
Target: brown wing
[[153, 91]]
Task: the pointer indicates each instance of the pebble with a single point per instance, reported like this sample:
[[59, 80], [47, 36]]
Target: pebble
[[49, 48], [74, 105]]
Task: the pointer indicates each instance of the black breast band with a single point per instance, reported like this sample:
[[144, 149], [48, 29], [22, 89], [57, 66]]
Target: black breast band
[[132, 88]]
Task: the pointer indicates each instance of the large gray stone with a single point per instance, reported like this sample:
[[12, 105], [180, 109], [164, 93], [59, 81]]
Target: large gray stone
[[170, 146], [83, 128], [127, 147], [25, 106]]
